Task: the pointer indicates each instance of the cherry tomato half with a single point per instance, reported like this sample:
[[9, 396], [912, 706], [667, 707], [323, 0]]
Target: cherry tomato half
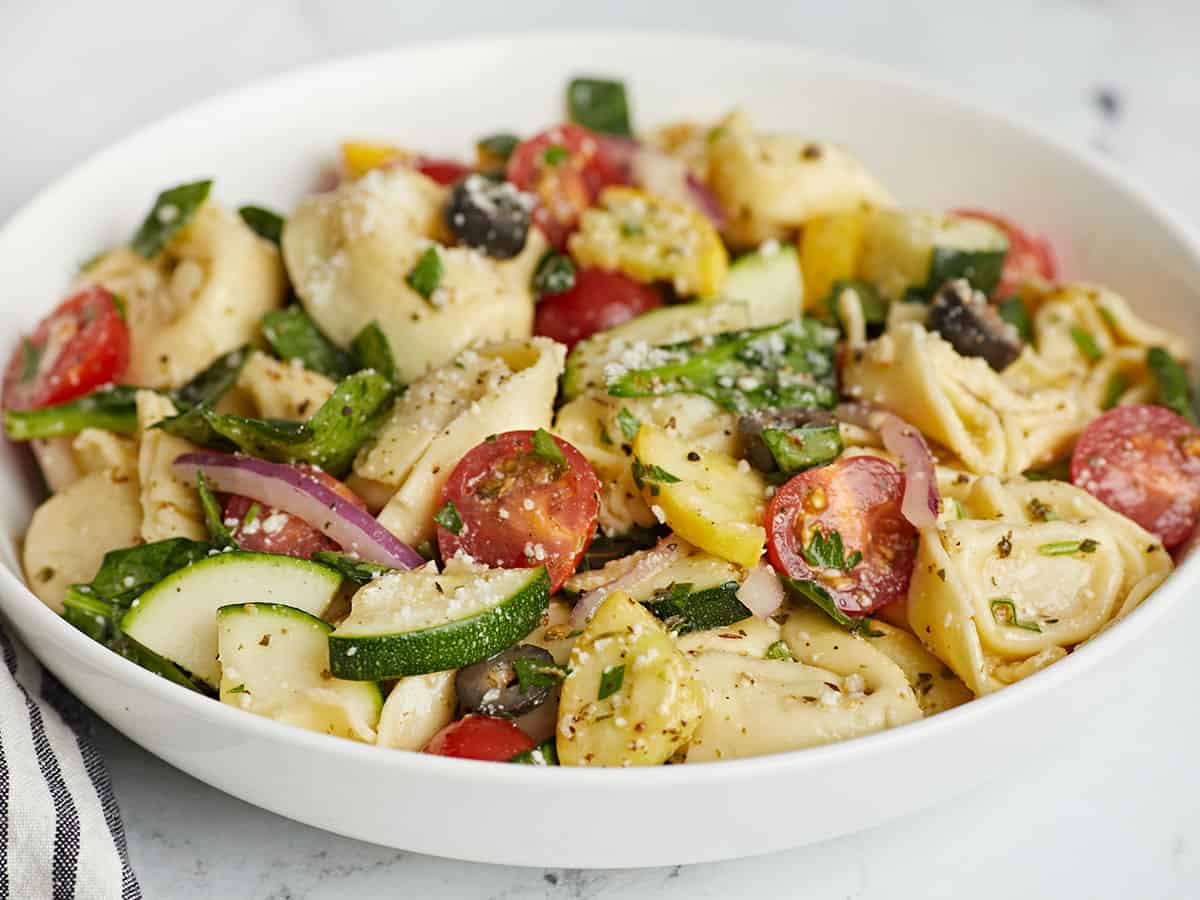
[[266, 529], [79, 347], [566, 167], [520, 509], [443, 171], [480, 737], [599, 299], [1029, 255], [1144, 462], [859, 498]]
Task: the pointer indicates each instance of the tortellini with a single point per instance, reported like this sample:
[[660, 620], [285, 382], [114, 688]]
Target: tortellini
[[70, 533], [492, 389], [961, 403], [771, 184], [170, 506], [418, 707], [350, 251], [594, 424], [282, 390], [1032, 570], [202, 296], [836, 686]]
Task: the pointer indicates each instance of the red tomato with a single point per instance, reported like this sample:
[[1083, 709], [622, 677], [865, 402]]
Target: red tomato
[[443, 171], [480, 737], [566, 167], [1029, 255], [271, 530], [1144, 462], [858, 497], [79, 347], [519, 509], [600, 299]]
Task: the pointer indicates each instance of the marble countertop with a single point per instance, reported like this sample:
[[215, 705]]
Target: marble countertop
[[1111, 812]]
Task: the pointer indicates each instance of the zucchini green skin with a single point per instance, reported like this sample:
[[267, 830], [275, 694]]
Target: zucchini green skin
[[701, 610], [981, 269], [450, 646]]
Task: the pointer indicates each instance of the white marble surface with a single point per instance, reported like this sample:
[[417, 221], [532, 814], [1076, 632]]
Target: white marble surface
[[1112, 812]]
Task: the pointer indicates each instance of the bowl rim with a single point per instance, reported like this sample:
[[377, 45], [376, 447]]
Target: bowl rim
[[1123, 633]]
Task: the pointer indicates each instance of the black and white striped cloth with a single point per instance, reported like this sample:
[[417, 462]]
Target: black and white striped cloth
[[61, 836]]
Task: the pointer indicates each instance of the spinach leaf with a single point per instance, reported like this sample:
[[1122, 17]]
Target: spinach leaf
[[599, 104], [371, 350], [213, 520], [293, 335], [1174, 392], [263, 222], [785, 365], [110, 408], [357, 570], [329, 439], [173, 209], [796, 449]]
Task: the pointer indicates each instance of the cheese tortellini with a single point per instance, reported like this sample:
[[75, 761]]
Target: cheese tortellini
[[202, 296], [771, 184], [350, 251], [835, 686], [1032, 570]]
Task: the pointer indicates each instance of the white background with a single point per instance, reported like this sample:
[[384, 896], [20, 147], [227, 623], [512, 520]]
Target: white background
[[1114, 811]]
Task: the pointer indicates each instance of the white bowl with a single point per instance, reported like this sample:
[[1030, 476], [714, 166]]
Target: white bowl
[[267, 144]]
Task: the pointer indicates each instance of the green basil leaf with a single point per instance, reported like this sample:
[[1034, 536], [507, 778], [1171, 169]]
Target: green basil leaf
[[545, 447], [778, 650], [535, 673], [797, 449], [1013, 311], [372, 350], [555, 154], [1174, 392], [173, 209], [628, 423]]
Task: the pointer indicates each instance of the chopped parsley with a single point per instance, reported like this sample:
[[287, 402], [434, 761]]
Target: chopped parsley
[[1066, 548], [825, 551], [611, 680], [449, 518], [1004, 612], [652, 473], [251, 515], [426, 275], [545, 447], [555, 274], [31, 359], [239, 689], [629, 424], [631, 229], [778, 650], [1086, 344], [555, 154], [1012, 310]]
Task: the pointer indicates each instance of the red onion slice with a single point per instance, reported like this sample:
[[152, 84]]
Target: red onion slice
[[289, 489], [921, 501], [653, 561], [669, 178], [762, 591]]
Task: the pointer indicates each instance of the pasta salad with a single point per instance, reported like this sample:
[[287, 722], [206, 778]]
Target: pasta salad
[[602, 449]]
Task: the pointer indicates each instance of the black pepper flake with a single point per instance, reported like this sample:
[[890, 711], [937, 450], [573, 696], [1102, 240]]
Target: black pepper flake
[[693, 456]]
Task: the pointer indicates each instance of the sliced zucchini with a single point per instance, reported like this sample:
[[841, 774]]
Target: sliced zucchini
[[908, 255], [709, 499], [629, 699], [586, 362], [177, 617], [411, 623], [275, 663], [769, 282]]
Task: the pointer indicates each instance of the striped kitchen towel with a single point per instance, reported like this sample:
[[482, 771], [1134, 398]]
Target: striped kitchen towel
[[61, 836]]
